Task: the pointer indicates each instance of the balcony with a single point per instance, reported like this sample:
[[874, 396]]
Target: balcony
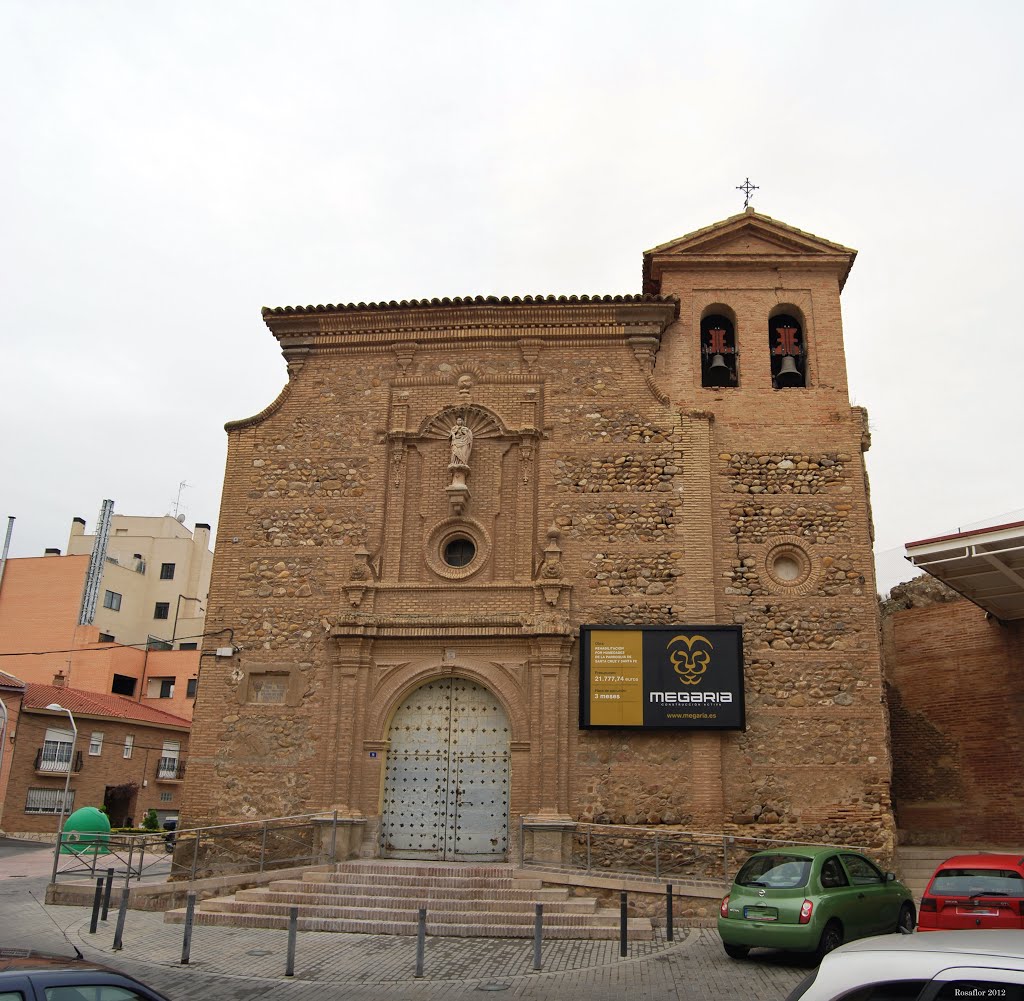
[[53, 759], [170, 770]]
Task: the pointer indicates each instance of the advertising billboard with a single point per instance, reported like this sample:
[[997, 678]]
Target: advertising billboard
[[661, 677]]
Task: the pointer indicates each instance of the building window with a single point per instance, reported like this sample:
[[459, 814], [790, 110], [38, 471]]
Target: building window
[[188, 646], [129, 745], [96, 743], [112, 600], [122, 685], [167, 766], [459, 552], [56, 753], [717, 351], [160, 688], [106, 638], [190, 690], [788, 354], [166, 797], [167, 571], [48, 801], [161, 609]]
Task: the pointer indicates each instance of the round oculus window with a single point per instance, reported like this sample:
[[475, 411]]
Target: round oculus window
[[788, 565], [785, 568], [459, 552]]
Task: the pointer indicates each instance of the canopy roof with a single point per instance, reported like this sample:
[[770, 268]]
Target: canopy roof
[[985, 565]]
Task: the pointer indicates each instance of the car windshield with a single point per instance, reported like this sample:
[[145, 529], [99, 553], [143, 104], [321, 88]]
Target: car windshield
[[975, 881], [779, 872]]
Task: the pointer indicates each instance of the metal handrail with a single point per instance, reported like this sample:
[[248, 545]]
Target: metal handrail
[[169, 850], [698, 856]]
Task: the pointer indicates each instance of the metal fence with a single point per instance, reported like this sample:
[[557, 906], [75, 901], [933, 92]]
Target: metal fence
[[199, 852], [684, 856]]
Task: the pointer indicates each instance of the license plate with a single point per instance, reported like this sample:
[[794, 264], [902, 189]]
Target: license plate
[[760, 913], [977, 912]]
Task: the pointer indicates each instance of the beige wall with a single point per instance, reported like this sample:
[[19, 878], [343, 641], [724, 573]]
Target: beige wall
[[157, 541]]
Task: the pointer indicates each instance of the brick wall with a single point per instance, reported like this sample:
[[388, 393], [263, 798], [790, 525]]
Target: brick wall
[[666, 502], [108, 768], [956, 707]]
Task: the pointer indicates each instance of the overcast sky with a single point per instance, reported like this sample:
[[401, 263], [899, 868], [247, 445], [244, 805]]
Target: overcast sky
[[170, 168]]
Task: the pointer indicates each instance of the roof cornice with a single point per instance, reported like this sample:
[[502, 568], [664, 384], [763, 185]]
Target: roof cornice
[[703, 249]]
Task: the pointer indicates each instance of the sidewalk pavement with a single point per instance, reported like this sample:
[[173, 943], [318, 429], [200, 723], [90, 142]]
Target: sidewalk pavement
[[246, 963]]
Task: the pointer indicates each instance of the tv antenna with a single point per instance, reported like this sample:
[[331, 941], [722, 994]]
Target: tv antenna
[[177, 501]]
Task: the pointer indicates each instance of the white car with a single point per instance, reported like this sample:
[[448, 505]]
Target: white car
[[939, 966]]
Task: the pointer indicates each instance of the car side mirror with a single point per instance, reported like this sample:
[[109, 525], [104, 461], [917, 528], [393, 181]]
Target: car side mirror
[[890, 877]]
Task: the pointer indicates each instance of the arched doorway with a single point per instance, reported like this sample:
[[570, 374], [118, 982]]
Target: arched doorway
[[446, 779]]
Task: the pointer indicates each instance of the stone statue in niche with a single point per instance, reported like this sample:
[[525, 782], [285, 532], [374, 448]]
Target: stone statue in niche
[[461, 438]]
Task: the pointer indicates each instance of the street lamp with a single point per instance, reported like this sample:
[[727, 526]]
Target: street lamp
[[55, 707], [3, 737]]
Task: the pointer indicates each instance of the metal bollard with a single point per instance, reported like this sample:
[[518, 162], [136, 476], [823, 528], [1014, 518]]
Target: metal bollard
[[293, 927], [538, 931], [122, 911], [421, 941], [97, 899], [623, 943], [668, 911], [106, 894], [186, 943]]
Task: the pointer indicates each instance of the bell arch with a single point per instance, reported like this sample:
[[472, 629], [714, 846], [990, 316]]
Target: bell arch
[[787, 346]]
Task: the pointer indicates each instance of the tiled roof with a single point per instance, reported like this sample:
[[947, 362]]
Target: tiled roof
[[10, 681], [97, 704], [478, 300]]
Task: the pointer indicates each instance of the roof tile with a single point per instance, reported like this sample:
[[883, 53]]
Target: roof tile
[[97, 704]]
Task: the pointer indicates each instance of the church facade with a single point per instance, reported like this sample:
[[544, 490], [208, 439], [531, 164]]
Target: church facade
[[448, 492]]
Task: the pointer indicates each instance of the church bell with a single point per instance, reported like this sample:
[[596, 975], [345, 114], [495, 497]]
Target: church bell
[[719, 373], [789, 375]]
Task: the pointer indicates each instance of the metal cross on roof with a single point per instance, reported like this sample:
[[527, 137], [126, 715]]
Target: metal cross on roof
[[746, 187]]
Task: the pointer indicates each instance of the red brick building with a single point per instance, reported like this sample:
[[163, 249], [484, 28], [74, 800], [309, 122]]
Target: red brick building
[[128, 757]]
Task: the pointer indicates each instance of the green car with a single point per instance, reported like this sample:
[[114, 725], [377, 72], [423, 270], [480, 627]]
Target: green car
[[811, 899]]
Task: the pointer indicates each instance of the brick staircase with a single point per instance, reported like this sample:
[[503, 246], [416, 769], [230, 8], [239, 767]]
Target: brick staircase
[[382, 897]]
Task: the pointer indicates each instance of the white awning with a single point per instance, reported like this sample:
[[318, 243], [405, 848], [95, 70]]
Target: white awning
[[985, 565]]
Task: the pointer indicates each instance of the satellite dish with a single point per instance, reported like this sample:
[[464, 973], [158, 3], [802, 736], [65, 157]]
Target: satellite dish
[[180, 519]]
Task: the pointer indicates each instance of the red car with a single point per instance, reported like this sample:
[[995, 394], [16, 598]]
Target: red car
[[974, 891]]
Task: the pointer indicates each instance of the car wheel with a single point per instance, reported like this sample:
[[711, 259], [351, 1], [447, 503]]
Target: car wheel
[[736, 951], [831, 938], [907, 921]]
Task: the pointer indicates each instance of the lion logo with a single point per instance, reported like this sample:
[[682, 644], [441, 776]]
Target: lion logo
[[690, 658]]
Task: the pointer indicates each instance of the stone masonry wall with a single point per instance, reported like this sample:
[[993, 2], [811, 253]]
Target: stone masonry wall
[[670, 503]]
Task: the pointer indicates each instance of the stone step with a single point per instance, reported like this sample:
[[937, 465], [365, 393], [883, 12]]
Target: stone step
[[383, 897], [589, 926], [432, 869], [351, 878], [318, 883], [252, 901]]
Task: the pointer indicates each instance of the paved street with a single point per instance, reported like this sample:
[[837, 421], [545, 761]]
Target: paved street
[[229, 964]]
